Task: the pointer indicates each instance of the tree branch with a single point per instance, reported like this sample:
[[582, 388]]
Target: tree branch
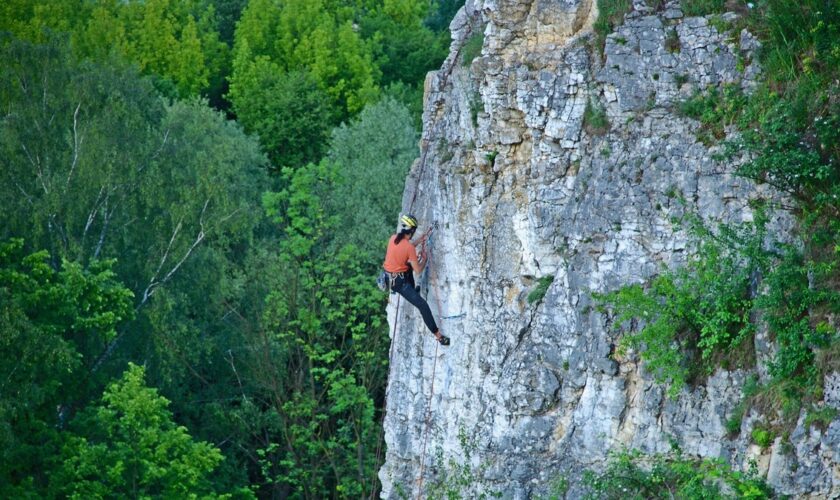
[[77, 143], [106, 220], [25, 194], [92, 214], [36, 162], [154, 282]]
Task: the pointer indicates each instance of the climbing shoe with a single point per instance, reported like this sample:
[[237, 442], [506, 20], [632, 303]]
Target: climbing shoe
[[443, 339]]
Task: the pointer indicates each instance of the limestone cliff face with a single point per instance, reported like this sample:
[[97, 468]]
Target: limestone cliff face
[[521, 189]]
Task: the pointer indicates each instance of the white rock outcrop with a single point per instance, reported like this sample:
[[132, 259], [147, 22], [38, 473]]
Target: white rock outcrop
[[520, 189]]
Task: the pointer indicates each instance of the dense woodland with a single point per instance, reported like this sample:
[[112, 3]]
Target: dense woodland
[[196, 195]]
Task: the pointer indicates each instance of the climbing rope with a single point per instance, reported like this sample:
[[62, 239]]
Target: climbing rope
[[432, 283], [385, 398], [423, 155]]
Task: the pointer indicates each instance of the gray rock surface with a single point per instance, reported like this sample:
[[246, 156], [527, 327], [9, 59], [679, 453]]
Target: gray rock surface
[[520, 189]]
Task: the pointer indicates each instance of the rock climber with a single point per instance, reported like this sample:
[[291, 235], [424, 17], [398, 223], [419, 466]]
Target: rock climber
[[401, 262]]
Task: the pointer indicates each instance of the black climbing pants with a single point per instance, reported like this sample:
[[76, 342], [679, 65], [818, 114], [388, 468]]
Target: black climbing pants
[[404, 285]]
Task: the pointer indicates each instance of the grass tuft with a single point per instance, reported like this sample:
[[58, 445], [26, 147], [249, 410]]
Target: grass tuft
[[610, 14], [595, 120], [472, 48], [539, 291]]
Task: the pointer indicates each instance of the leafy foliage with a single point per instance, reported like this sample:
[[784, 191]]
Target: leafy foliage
[[762, 437], [117, 172], [441, 13], [789, 128], [288, 111], [715, 110], [52, 325], [333, 350], [314, 36], [694, 316], [174, 40], [403, 48], [129, 446], [631, 474], [372, 155], [97, 165], [702, 7], [264, 332], [801, 41], [348, 53]]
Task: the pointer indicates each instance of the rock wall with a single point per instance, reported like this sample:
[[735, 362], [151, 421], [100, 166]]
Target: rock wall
[[520, 188]]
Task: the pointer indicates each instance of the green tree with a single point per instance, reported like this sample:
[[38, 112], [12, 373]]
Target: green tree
[[228, 13], [288, 111], [316, 36], [52, 326], [96, 165], [75, 140], [104, 168], [404, 48], [177, 41], [200, 212], [129, 446], [441, 14], [317, 362], [37, 20], [373, 154]]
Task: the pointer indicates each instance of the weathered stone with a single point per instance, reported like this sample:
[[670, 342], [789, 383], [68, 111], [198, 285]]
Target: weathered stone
[[832, 390], [535, 390]]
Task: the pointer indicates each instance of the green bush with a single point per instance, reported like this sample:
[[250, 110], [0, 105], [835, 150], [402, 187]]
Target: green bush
[[801, 39], [632, 474], [821, 417], [491, 157], [472, 48], [595, 120], [762, 437], [692, 318], [715, 110]]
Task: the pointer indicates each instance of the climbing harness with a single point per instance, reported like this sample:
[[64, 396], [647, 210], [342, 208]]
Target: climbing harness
[[386, 280]]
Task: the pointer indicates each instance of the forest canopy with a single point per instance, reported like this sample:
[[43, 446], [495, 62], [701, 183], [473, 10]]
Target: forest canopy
[[191, 191]]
